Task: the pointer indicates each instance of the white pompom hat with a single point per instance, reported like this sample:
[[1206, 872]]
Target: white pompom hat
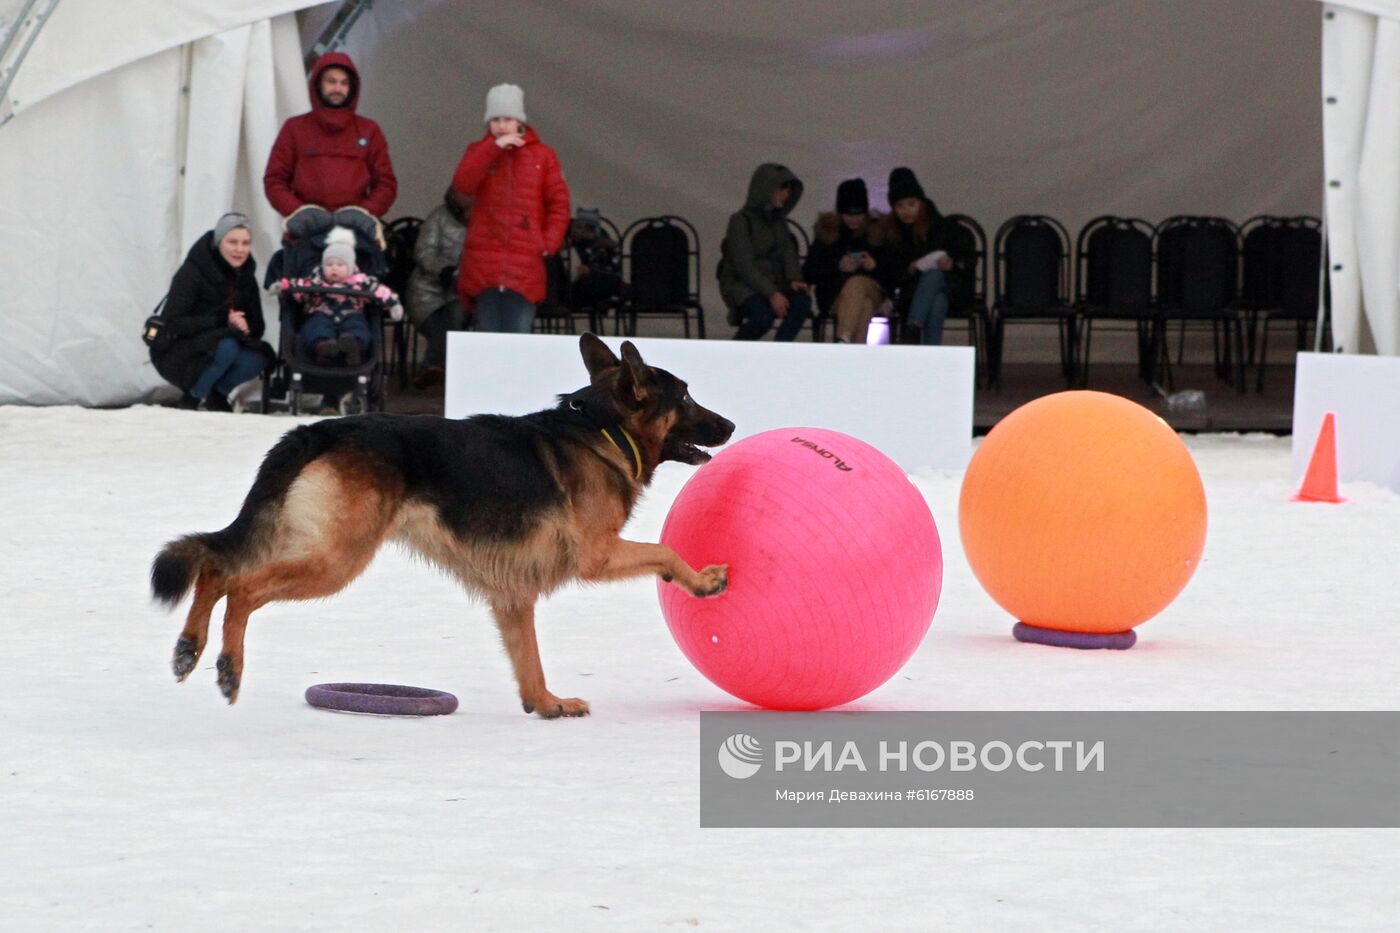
[[505, 100]]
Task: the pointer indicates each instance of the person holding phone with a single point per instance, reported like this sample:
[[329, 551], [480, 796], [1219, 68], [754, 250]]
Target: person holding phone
[[845, 262], [518, 219], [929, 267]]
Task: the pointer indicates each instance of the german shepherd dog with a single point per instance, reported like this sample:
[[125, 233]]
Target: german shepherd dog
[[513, 507]]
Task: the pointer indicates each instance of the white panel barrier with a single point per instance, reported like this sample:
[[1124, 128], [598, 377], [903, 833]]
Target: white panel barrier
[[913, 403], [1364, 391]]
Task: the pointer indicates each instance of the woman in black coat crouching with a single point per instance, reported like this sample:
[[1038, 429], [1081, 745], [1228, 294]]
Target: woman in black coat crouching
[[212, 339]]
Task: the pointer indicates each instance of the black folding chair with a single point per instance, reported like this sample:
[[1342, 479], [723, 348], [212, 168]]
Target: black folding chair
[[553, 315], [1198, 263], [1113, 284], [1299, 274], [1032, 287], [1261, 271], [661, 273], [595, 311], [399, 346], [973, 241], [820, 317]]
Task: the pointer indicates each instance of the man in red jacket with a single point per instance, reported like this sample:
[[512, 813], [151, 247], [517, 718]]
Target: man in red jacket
[[520, 216], [331, 165]]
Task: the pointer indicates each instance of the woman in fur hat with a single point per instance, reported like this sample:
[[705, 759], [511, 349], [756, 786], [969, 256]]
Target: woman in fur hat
[[929, 264], [846, 261], [519, 217]]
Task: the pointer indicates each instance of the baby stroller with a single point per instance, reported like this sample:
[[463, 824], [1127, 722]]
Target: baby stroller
[[358, 389]]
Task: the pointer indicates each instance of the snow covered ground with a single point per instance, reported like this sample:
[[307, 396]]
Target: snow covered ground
[[130, 802]]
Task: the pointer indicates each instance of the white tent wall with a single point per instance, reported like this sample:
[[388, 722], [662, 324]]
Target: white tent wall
[[1361, 114], [84, 39], [1071, 108], [97, 215], [88, 243]]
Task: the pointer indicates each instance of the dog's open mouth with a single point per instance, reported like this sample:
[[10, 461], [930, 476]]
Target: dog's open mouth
[[683, 452]]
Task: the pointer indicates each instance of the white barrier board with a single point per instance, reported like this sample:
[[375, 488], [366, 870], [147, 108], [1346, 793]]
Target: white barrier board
[[913, 403], [1364, 391]]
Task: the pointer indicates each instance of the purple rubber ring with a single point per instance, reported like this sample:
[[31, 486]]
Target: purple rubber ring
[[1060, 639], [381, 699]]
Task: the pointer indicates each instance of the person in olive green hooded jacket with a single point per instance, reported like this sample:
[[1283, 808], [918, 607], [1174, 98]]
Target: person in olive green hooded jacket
[[759, 275]]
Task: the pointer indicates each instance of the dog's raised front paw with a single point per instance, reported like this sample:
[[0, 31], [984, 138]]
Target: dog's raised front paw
[[714, 580]]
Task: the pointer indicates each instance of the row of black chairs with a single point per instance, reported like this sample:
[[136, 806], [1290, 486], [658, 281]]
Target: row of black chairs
[[1190, 271], [660, 272], [1187, 270]]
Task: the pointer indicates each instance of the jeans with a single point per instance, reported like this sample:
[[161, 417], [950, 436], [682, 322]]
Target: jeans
[[756, 316], [434, 330], [320, 327], [502, 311], [234, 364], [929, 308]]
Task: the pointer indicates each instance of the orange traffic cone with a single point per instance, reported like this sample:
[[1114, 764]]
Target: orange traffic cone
[[1320, 482]]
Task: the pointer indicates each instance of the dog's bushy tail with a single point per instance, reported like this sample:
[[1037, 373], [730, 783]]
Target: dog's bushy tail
[[180, 562]]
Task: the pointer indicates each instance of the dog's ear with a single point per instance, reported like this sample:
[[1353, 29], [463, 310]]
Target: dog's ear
[[629, 352], [635, 382], [596, 356]]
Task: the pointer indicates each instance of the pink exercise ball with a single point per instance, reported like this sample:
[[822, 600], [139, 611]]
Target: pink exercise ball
[[835, 567]]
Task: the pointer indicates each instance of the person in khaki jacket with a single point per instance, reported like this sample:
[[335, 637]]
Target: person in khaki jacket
[[759, 277]]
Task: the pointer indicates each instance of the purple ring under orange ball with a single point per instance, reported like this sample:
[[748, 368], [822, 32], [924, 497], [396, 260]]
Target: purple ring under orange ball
[[1056, 638]]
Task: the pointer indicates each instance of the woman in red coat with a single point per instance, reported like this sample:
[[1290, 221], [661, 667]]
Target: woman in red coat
[[519, 217]]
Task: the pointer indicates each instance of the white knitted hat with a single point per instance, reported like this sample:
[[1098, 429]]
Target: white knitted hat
[[505, 100], [340, 244]]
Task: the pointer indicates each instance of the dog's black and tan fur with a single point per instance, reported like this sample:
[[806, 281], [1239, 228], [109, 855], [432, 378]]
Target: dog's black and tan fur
[[512, 507]]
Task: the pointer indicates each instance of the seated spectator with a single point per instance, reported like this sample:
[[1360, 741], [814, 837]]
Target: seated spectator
[[211, 342], [433, 303], [759, 277], [598, 263], [336, 325], [845, 262], [927, 263], [331, 166]]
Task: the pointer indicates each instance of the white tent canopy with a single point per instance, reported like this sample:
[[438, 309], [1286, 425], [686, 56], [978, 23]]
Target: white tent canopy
[[1071, 108]]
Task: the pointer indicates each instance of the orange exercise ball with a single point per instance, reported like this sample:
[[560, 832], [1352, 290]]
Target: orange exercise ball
[[1083, 515]]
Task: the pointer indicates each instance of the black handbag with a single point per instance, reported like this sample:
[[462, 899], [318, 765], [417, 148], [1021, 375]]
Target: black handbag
[[154, 328]]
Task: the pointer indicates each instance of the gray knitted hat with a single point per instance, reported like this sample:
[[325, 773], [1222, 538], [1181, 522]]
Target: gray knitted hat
[[230, 221]]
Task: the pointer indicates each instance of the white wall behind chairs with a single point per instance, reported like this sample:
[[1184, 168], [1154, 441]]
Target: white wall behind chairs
[[1064, 107], [912, 403]]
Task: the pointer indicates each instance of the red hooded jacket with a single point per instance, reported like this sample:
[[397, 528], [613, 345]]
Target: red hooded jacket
[[331, 156], [520, 215]]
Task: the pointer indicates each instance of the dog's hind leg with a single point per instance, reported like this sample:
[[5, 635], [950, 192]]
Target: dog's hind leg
[[517, 625], [338, 521], [315, 577], [208, 589]]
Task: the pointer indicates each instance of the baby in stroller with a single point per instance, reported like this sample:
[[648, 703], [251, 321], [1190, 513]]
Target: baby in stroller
[[335, 325]]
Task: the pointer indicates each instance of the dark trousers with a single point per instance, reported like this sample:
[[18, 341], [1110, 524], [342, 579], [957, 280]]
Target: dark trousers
[[320, 327], [756, 317], [233, 365], [434, 329]]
